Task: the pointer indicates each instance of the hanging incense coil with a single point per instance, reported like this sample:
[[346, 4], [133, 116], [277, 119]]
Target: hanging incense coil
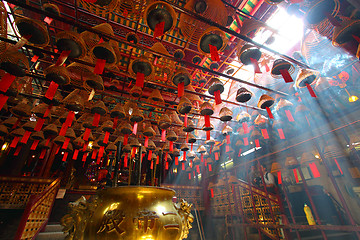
[[37, 136], [35, 29], [74, 101], [99, 108], [111, 147], [190, 126], [208, 128], [151, 145], [136, 91], [344, 33], [215, 84], [226, 130], [14, 62], [191, 138], [91, 137], [260, 120], [3, 130], [44, 144], [155, 95], [21, 110], [58, 74], [118, 111], [210, 142], [107, 126], [119, 139], [56, 101], [281, 64], [175, 118], [164, 121], [78, 143], [71, 41], [181, 76], [206, 109], [137, 115], [158, 12], [100, 141], [51, 130], [91, 39], [59, 140], [171, 136], [249, 52], [29, 126], [201, 149], [87, 119], [212, 36], [184, 105], [131, 9], [10, 122], [192, 28], [317, 12], [19, 132], [306, 76], [132, 38], [40, 109], [125, 128], [149, 132], [106, 52], [166, 147], [179, 54], [225, 114], [94, 83], [243, 117], [78, 72], [265, 101], [184, 147], [70, 133], [141, 65]]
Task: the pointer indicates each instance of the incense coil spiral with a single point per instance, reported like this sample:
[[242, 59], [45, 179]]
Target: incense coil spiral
[[99, 9], [131, 9], [191, 28], [141, 65], [160, 9], [205, 38], [313, 15], [78, 72]]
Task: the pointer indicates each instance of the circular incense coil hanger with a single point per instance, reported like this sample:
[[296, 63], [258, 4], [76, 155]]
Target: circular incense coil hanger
[[265, 101], [131, 9], [181, 75], [106, 52], [14, 62], [243, 95], [212, 36], [158, 12], [132, 38], [58, 74], [306, 76], [78, 72], [215, 84], [281, 64], [71, 41], [95, 82], [317, 13], [141, 65], [35, 29], [247, 52], [51, 8]]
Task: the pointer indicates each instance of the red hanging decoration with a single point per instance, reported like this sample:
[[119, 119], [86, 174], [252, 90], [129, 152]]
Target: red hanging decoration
[[187, 137], [197, 169], [34, 144], [281, 133], [185, 120], [14, 142], [289, 116], [115, 122], [34, 58], [257, 143], [217, 96], [279, 177], [47, 142], [269, 113], [39, 123], [17, 151], [159, 29], [181, 89], [183, 166], [246, 141], [152, 165], [94, 153], [57, 149], [166, 165], [207, 120], [163, 135], [210, 168], [191, 146], [126, 138], [171, 146], [314, 170], [48, 20], [228, 139], [101, 152], [42, 154], [184, 156], [239, 154], [3, 100], [6, 82], [126, 160], [245, 127], [98, 160], [311, 91], [99, 66], [296, 175], [227, 149], [157, 160], [65, 156], [286, 75], [25, 138], [189, 176], [66, 143], [96, 120], [75, 155], [264, 133], [85, 146], [106, 137], [140, 79], [207, 135], [84, 157], [146, 142], [216, 156], [176, 161], [86, 134], [62, 58], [149, 155], [202, 157], [67, 123], [135, 128], [338, 166], [256, 65], [214, 53]]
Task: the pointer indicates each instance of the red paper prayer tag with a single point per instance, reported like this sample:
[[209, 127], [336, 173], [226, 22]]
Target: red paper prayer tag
[[106, 137], [279, 177], [50, 93], [99, 66], [185, 120], [189, 176], [267, 69], [264, 133], [356, 38], [94, 153], [135, 128], [311, 91], [239, 154], [228, 139], [98, 160], [197, 169], [14, 142], [176, 161], [86, 134], [289, 116], [207, 120], [47, 111], [26, 136], [227, 149], [96, 120], [181, 89], [84, 157], [216, 156], [146, 142], [202, 157], [17, 151], [66, 143], [42, 154], [214, 53], [210, 168], [62, 58], [47, 142], [184, 156], [338, 166], [332, 20], [75, 155], [183, 166], [85, 146], [171, 146], [191, 146], [157, 160], [314, 170], [166, 165], [286, 75], [269, 113], [48, 20], [217, 96], [6, 81], [34, 144], [126, 138], [34, 58], [149, 155], [245, 127], [159, 29], [140, 79], [3, 100], [163, 135], [281, 133], [39, 124], [152, 165], [65, 156], [207, 135], [296, 175], [256, 65], [246, 141], [126, 160], [257, 143], [101, 151], [115, 122]]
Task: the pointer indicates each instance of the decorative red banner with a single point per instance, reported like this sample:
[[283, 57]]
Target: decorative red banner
[[3, 100], [96, 120], [269, 113], [26, 136], [17, 151], [189, 176], [34, 144], [228, 139], [75, 155], [163, 135], [264, 133], [159, 29], [42, 154], [181, 89], [183, 166], [149, 155], [185, 120], [210, 168], [256, 65], [135, 128], [34, 58], [176, 161], [86, 134], [281, 133], [126, 160], [99, 66], [286, 75], [84, 157], [246, 141], [207, 135], [140, 79], [207, 120], [14, 142], [216, 156], [245, 127], [62, 58], [289, 116], [314, 170], [257, 143], [157, 160], [311, 91], [146, 142], [166, 165], [152, 165], [101, 152], [217, 96], [106, 137], [184, 156], [94, 153], [279, 177], [65, 156], [296, 175], [171, 146], [66, 143], [39, 123], [6, 82]]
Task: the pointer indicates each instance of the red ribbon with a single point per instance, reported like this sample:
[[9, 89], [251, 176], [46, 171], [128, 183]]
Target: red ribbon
[[152, 165], [6, 82], [269, 113], [65, 156], [210, 168], [25, 138], [75, 155], [239, 154], [246, 141], [135, 128], [42, 154], [86, 134], [207, 135], [34, 58], [99, 66], [63, 56], [163, 135], [217, 97], [159, 29], [101, 152], [115, 122], [14, 142], [279, 177], [96, 120], [126, 160], [185, 120], [106, 137], [140, 79], [289, 116], [181, 89], [84, 157], [146, 142], [3, 100], [149, 155], [286, 75], [94, 152], [314, 170], [176, 161], [214, 53], [337, 164], [265, 134], [50, 93], [171, 146], [296, 175], [281, 133], [34, 144], [126, 138], [183, 166], [257, 143], [228, 139], [245, 127], [256, 65], [207, 120], [216, 156], [17, 151], [311, 91]]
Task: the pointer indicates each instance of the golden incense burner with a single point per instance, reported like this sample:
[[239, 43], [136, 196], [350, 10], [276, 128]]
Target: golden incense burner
[[129, 213]]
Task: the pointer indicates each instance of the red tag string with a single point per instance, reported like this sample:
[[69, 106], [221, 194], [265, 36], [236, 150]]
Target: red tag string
[[84, 157], [246, 141], [311, 91], [6, 82], [149, 155], [183, 166], [34, 144], [106, 137], [216, 156], [239, 154], [47, 111], [185, 120], [214, 53], [115, 122], [189, 176], [163, 135], [296, 175], [269, 113], [207, 120], [281, 133], [47, 142], [159, 29], [256, 65], [152, 165], [166, 165], [181, 89], [191, 146], [314, 170], [140, 79], [25, 138], [17, 151], [14, 142], [48, 20], [228, 139], [257, 143], [3, 100], [96, 120], [187, 137], [279, 177], [135, 128], [264, 133], [217, 96], [207, 135], [157, 160], [171, 146], [338, 166], [62, 58], [99, 66], [57, 149], [85, 146], [197, 169], [176, 161], [126, 138], [289, 116], [210, 168], [75, 155], [202, 157], [65, 156], [86, 134], [184, 156], [146, 142], [42, 154], [286, 75]]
